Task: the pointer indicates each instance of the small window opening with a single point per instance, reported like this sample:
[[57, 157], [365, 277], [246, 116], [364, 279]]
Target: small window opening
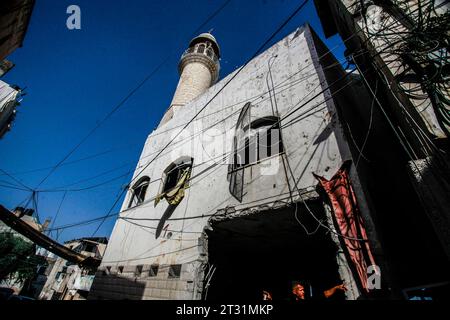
[[138, 271], [90, 247], [107, 271], [120, 269], [139, 191], [175, 271], [153, 272]]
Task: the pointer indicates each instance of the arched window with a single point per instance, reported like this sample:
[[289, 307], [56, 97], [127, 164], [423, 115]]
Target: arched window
[[201, 48], [257, 140], [138, 192], [175, 181], [266, 137], [174, 172], [254, 141]]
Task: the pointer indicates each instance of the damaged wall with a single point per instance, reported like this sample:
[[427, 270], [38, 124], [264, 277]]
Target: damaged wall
[[313, 141]]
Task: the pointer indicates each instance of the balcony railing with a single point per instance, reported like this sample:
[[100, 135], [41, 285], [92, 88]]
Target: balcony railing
[[202, 50]]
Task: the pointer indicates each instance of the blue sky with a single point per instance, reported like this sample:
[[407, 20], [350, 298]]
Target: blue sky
[[73, 78]]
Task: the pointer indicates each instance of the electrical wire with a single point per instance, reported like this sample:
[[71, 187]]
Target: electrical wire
[[234, 75], [16, 180], [368, 130], [70, 162], [57, 211], [123, 101], [111, 215]]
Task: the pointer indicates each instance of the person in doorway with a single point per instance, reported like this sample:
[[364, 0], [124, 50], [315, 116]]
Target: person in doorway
[[299, 294]]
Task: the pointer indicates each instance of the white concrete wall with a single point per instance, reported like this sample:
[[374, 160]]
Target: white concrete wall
[[311, 145]]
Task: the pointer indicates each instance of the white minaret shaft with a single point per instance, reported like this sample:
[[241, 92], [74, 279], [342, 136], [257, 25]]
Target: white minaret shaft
[[199, 69]]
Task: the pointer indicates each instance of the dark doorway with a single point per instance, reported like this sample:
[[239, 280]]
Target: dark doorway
[[268, 251]]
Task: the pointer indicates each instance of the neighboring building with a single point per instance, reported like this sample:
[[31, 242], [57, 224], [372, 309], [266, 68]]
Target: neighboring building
[[232, 206], [25, 215], [42, 273], [68, 281], [15, 17], [10, 97], [384, 37], [401, 49]]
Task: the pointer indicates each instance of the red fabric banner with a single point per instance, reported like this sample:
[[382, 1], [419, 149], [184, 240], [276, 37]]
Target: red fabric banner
[[348, 218]]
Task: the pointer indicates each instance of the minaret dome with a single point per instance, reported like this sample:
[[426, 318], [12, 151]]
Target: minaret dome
[[199, 69]]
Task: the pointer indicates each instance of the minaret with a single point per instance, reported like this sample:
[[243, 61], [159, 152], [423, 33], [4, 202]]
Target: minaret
[[199, 69]]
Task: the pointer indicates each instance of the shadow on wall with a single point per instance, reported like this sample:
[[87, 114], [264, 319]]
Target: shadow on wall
[[167, 214], [115, 287]]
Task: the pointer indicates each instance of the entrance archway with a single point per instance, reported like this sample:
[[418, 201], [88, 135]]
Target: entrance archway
[[269, 251]]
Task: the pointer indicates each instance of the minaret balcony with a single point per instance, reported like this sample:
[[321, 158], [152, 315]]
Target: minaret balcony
[[205, 55], [209, 52]]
